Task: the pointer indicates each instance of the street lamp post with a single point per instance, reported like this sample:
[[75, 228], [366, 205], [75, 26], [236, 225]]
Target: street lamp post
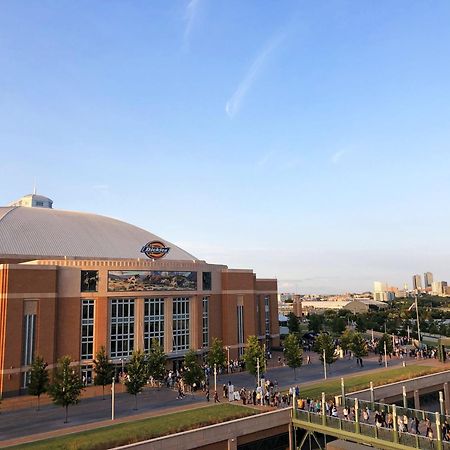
[[324, 365], [113, 397], [215, 377], [228, 358], [418, 324], [257, 370], [385, 354]]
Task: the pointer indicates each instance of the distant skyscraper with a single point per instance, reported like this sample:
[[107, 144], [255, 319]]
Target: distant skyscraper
[[427, 279], [417, 282]]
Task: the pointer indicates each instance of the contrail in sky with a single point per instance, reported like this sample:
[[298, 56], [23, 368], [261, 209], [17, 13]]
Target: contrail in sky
[[233, 104]]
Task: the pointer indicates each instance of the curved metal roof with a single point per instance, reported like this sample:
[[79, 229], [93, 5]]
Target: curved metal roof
[[41, 233]]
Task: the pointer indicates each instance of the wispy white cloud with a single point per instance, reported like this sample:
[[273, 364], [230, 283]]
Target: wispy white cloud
[[264, 159], [337, 156], [191, 14], [102, 189], [233, 104], [279, 160]]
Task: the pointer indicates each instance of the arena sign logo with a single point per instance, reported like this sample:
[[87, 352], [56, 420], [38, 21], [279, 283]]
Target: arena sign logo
[[155, 249]]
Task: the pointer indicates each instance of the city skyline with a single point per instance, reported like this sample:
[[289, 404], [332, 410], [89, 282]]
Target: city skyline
[[309, 142]]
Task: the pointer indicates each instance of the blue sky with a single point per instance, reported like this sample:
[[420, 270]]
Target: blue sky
[[306, 140]]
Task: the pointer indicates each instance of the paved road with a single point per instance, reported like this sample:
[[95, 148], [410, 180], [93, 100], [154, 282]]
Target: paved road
[[27, 421]]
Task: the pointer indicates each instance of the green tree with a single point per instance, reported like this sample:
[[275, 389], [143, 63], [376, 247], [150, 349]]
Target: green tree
[[216, 354], [193, 373], [66, 386], [338, 325], [324, 342], [346, 339], [361, 323], [254, 352], [380, 346], [137, 374], [358, 346], [103, 369], [156, 361], [315, 322], [38, 382], [293, 323], [292, 352]]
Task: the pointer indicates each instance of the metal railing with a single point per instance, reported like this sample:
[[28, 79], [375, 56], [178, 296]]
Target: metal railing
[[392, 435]]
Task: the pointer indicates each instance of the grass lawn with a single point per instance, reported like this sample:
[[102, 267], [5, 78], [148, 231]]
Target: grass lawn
[[127, 433], [358, 382]]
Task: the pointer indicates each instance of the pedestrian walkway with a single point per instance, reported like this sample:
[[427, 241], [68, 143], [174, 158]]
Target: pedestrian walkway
[[369, 422]]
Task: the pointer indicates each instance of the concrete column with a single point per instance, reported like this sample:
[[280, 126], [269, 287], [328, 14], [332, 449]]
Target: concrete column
[[438, 431], [291, 437], [447, 398], [194, 322], [416, 399], [168, 325], [394, 422], [232, 444], [405, 399], [139, 324], [357, 428], [371, 395], [343, 392]]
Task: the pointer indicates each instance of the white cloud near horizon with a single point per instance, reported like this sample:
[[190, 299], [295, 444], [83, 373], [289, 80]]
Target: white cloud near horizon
[[233, 104], [191, 14]]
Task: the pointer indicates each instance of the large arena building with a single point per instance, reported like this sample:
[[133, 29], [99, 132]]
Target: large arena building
[[72, 282]]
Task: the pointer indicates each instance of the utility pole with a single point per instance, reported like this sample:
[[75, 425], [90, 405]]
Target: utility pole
[[324, 365]]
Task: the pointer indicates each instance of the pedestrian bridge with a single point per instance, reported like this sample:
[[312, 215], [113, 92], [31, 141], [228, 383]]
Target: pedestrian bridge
[[355, 430]]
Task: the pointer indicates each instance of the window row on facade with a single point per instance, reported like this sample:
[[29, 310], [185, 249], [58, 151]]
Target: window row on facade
[[122, 325]]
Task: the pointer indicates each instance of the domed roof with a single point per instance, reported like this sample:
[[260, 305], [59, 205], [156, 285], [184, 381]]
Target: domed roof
[[45, 233]]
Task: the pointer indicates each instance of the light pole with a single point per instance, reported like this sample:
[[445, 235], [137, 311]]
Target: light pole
[[324, 365], [418, 324], [228, 358], [113, 399], [215, 377], [257, 370], [385, 354]]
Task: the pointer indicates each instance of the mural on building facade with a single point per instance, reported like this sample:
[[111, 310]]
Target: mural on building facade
[[151, 280]]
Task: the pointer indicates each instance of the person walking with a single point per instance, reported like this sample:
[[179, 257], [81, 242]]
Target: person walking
[[216, 397]]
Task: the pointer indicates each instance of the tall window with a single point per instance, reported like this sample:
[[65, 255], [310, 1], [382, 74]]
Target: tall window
[[29, 328], [180, 324], [267, 314], [205, 321], [240, 328], [153, 322], [206, 281], [29, 332], [122, 327], [87, 329]]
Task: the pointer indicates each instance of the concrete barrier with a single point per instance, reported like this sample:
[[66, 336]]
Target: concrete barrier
[[220, 436]]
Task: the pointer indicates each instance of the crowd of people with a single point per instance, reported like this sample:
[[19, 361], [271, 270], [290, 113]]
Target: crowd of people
[[379, 418]]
